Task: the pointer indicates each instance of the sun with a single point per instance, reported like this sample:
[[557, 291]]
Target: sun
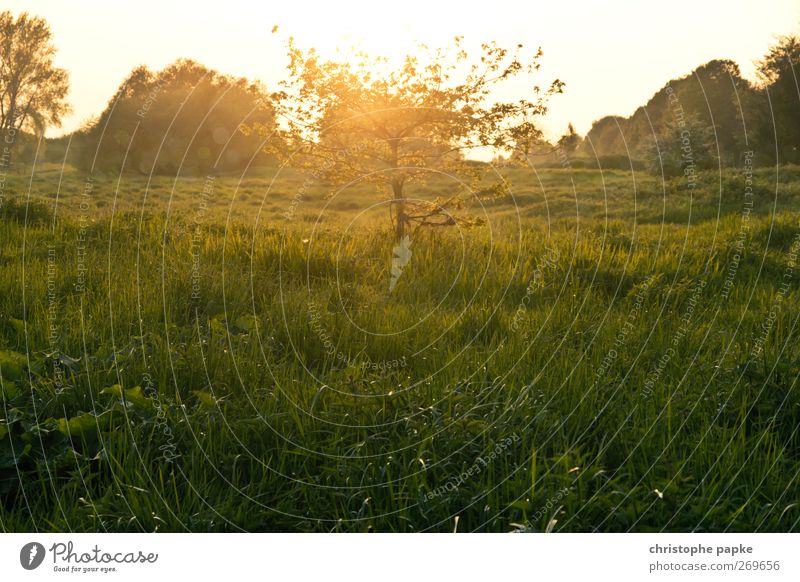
[[371, 31]]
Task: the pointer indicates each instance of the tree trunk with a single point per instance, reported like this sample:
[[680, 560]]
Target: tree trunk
[[400, 210], [8, 138], [6, 148], [397, 191]]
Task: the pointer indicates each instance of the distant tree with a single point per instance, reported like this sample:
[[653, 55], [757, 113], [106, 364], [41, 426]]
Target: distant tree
[[533, 149], [185, 118], [716, 91], [776, 106], [32, 90], [363, 120], [714, 94], [606, 136], [570, 141], [684, 148]]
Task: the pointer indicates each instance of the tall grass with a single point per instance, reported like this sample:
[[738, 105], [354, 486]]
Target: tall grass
[[592, 359]]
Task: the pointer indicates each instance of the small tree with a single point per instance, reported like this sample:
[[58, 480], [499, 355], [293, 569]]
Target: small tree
[[570, 141], [32, 90], [363, 120]]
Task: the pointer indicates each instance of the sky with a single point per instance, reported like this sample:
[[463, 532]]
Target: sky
[[612, 55]]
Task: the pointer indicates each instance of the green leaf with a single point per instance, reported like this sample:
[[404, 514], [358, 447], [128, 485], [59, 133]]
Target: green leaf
[[12, 364], [205, 398], [11, 453], [115, 390], [246, 323], [88, 424], [137, 398], [133, 395], [217, 327], [10, 389]]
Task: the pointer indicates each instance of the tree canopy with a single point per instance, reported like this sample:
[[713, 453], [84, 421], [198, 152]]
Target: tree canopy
[[363, 119], [32, 89], [776, 104], [711, 95], [185, 118]]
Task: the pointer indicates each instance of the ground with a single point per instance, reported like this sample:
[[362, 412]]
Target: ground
[[607, 352]]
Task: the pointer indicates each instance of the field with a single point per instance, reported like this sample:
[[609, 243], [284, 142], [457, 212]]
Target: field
[[606, 353]]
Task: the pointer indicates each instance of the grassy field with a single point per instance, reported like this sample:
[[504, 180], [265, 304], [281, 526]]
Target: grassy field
[[607, 353]]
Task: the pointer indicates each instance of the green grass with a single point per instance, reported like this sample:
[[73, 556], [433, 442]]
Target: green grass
[[588, 359]]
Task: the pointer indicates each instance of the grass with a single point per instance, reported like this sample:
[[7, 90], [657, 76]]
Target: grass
[[208, 355]]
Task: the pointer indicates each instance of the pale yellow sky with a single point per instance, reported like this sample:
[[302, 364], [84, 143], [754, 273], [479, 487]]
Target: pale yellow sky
[[613, 55]]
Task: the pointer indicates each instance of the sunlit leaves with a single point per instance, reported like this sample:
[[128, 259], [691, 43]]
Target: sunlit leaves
[[363, 119]]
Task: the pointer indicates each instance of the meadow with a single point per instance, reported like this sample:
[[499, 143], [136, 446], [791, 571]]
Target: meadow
[[607, 352]]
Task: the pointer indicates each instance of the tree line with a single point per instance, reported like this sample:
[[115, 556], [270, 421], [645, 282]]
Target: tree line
[[713, 110], [427, 114]]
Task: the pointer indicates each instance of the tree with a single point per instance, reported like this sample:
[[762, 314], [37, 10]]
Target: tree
[[365, 120], [717, 96], [185, 118], [776, 106], [570, 141], [713, 93], [532, 149], [607, 135], [684, 147], [32, 90]]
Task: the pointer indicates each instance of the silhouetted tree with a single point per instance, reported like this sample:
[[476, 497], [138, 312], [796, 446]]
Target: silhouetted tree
[[684, 147], [713, 94], [186, 118], [776, 106], [570, 141], [32, 90], [718, 96]]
